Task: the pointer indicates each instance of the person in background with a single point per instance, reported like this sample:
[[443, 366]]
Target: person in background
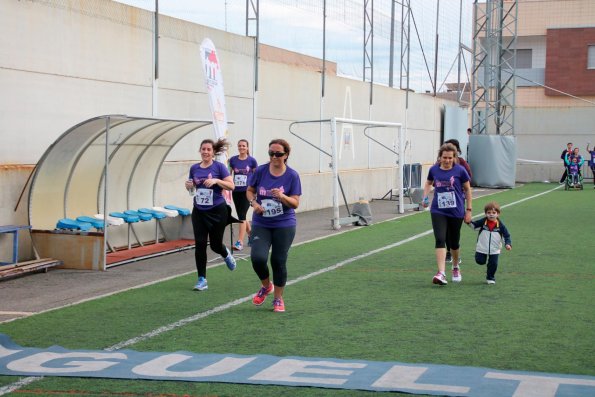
[[492, 233], [469, 132], [566, 151], [274, 194], [592, 161], [242, 167], [206, 181], [452, 190], [574, 163], [465, 164]]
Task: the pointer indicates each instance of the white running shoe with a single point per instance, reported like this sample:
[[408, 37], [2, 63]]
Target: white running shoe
[[201, 285], [456, 275], [440, 279]]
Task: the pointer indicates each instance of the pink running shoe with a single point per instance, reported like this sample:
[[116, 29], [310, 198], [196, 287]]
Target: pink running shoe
[[440, 279], [456, 275], [278, 305], [262, 293]]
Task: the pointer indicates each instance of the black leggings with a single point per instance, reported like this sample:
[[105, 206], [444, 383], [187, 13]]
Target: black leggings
[[446, 228], [209, 227], [492, 261], [280, 240], [241, 203]]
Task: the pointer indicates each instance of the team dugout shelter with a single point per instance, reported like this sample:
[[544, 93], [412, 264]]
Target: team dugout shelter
[[107, 165]]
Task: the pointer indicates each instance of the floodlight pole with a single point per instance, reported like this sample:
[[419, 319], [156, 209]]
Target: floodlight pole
[[336, 224], [105, 195], [155, 85], [253, 15]]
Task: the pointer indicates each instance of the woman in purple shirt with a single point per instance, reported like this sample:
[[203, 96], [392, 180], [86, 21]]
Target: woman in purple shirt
[[206, 182], [451, 189], [274, 193], [592, 161], [242, 167]]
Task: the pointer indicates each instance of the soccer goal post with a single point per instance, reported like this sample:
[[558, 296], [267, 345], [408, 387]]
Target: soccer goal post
[[333, 122]]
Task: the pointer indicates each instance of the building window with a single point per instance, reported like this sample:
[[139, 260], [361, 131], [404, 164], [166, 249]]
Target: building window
[[523, 59], [591, 57]]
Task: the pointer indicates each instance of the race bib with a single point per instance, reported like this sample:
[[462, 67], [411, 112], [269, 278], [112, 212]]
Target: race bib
[[271, 208], [204, 197], [447, 200], [240, 180]]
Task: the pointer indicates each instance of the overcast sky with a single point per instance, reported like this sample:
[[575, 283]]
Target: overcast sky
[[297, 26]]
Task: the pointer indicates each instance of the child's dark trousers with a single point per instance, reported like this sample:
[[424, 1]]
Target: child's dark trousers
[[492, 262]]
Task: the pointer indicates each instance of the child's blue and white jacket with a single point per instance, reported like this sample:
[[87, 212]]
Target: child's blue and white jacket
[[490, 242]]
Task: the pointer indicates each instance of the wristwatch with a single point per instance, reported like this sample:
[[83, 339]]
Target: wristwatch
[[469, 209]]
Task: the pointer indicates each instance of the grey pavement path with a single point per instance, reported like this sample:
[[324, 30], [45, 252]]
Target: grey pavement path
[[34, 293]]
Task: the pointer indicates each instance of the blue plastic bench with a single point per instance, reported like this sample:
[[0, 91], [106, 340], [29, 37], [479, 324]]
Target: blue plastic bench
[[96, 223], [72, 224], [142, 216], [129, 219], [157, 215], [181, 211]]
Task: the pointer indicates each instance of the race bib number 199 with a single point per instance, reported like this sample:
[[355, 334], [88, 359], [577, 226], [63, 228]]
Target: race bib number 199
[[447, 200]]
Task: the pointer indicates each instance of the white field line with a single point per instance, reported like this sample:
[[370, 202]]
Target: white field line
[[156, 332], [16, 313]]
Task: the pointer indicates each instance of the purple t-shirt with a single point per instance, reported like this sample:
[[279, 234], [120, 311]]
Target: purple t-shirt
[[449, 198], [207, 198], [242, 170], [573, 168], [276, 214]]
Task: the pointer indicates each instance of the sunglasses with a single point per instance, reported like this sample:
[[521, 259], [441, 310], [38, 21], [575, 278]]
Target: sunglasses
[[276, 154]]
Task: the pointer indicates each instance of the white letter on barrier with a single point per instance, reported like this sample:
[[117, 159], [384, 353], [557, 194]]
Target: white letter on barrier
[[285, 369], [4, 352], [159, 366], [539, 386], [35, 362], [401, 377]]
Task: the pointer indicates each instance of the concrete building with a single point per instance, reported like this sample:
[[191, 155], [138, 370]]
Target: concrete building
[[555, 96]]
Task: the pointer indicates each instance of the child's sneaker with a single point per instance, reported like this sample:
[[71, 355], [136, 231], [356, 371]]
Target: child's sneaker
[[440, 279], [490, 282], [456, 275], [278, 305], [262, 293], [201, 285], [230, 260], [238, 246]]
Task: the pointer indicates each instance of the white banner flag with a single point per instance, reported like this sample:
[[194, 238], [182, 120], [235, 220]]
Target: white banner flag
[[214, 83]]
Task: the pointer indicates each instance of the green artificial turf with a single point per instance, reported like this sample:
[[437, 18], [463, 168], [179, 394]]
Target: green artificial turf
[[381, 307]]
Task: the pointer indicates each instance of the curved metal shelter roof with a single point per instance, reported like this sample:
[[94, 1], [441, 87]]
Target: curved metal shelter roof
[[104, 164]]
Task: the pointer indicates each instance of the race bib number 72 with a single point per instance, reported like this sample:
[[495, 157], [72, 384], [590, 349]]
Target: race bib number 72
[[204, 197]]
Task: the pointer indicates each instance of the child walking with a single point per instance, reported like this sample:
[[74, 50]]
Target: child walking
[[492, 233]]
